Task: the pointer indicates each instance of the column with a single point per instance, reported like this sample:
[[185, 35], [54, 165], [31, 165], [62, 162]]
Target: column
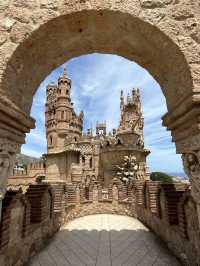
[[191, 163], [8, 150]]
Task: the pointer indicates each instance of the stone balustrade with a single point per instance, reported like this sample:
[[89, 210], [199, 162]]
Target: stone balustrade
[[28, 221], [168, 209], [30, 218]]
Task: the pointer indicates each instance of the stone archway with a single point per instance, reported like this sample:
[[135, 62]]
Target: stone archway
[[161, 36]]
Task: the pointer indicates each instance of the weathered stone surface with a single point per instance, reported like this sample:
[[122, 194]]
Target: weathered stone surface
[[49, 4], [3, 37], [4, 5], [161, 36], [155, 3], [19, 32], [7, 23], [20, 14]]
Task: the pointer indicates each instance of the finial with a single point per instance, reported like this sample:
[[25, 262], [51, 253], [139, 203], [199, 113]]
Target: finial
[[65, 72]]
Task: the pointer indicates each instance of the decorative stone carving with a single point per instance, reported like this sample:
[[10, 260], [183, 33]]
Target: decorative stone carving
[[140, 141], [128, 171], [191, 163], [85, 149], [8, 149]]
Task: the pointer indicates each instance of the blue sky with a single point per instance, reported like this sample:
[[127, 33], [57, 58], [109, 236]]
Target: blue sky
[[97, 80]]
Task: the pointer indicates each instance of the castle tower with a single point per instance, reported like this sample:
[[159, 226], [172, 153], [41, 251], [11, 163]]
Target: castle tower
[[131, 113], [61, 120], [101, 129], [126, 142]]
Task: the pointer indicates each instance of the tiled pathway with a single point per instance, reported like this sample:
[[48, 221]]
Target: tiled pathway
[[104, 240]]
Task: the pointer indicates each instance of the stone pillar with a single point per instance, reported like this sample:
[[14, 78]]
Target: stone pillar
[[8, 150], [191, 162], [14, 124], [183, 122]]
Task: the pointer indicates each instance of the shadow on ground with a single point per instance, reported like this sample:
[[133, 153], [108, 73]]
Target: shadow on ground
[[104, 242]]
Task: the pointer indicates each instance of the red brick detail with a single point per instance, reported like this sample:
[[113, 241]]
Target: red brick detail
[[153, 197], [140, 193], [173, 194], [59, 196], [26, 229], [36, 194], [5, 218], [182, 215], [71, 194]]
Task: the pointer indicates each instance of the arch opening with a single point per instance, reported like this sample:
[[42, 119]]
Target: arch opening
[[104, 32]]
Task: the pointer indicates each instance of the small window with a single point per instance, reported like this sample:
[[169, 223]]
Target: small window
[[62, 114], [91, 162], [119, 142]]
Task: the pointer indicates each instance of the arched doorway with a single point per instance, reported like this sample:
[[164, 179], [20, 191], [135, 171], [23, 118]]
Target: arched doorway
[[148, 32]]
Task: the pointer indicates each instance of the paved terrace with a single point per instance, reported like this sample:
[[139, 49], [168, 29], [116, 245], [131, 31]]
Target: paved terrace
[[104, 240]]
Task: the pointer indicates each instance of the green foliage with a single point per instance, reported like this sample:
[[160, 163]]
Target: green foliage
[[159, 176], [40, 178]]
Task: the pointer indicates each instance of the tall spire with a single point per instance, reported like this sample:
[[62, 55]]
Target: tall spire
[[121, 99], [65, 72]]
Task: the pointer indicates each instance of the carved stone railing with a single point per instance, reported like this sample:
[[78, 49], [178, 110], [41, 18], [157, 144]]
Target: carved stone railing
[[168, 209], [28, 221]]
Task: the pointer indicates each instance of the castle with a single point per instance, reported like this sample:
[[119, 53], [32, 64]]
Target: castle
[[76, 157]]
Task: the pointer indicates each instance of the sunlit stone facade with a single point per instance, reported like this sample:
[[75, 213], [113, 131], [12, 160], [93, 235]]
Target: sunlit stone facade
[[76, 157]]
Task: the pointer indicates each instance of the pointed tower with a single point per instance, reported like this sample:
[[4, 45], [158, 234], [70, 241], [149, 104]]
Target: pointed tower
[[66, 124], [131, 113]]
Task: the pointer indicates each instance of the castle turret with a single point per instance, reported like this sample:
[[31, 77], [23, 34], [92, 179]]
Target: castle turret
[[131, 113], [50, 114], [101, 129], [61, 119], [122, 100]]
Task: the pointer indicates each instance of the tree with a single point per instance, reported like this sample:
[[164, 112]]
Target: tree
[[159, 176]]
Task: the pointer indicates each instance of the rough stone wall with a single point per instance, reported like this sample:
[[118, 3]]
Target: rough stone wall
[[161, 36], [83, 209], [35, 169], [177, 20], [173, 218], [26, 226], [32, 218], [164, 36]]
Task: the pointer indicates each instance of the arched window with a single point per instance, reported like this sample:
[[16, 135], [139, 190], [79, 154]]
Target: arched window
[[83, 159], [119, 142], [50, 140], [62, 114]]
